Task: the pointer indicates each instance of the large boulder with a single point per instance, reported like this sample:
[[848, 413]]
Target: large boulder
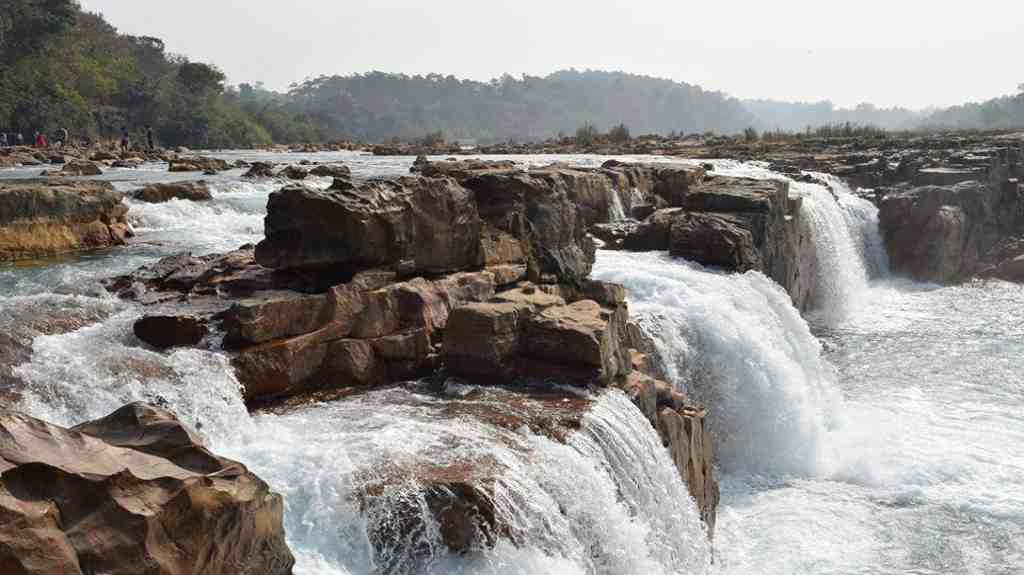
[[719, 240], [526, 334], [198, 164], [425, 225], [167, 331], [537, 209], [165, 192], [133, 493], [938, 233], [340, 171], [40, 218]]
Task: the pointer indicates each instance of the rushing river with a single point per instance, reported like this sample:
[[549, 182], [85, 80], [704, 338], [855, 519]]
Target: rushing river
[[884, 433]]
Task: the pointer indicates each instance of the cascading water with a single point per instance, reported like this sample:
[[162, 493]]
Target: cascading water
[[734, 342], [918, 469], [616, 210]]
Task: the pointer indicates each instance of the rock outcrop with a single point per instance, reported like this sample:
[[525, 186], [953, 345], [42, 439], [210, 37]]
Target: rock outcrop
[[40, 218], [158, 193], [948, 234], [424, 225], [479, 274], [197, 164], [132, 493]]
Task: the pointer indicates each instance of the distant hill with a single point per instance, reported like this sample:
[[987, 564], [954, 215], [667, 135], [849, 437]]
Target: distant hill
[[997, 113], [797, 116], [377, 106]]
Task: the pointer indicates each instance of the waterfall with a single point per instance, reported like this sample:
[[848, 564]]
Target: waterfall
[[736, 344], [616, 210], [847, 243], [606, 501]]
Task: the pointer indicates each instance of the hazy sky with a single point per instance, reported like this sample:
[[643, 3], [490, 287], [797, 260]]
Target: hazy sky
[[894, 52]]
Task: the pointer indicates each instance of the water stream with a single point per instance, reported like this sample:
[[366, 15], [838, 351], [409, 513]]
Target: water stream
[[884, 435]]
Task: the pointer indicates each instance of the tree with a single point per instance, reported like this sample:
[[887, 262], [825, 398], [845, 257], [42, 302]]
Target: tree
[[619, 134], [201, 78], [586, 135], [27, 25]]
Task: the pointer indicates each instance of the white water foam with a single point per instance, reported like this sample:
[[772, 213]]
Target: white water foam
[[737, 344]]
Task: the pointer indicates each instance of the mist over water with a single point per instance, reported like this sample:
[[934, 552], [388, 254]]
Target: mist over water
[[881, 434]]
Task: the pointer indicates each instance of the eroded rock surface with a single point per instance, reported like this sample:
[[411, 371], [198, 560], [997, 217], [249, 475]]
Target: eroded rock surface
[[132, 493], [40, 218]]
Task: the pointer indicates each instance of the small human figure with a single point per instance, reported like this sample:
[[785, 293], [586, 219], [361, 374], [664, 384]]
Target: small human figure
[[63, 135], [149, 138], [3, 139], [21, 139], [125, 140]]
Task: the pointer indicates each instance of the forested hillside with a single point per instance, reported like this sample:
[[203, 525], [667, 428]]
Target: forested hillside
[[377, 106], [997, 113], [798, 116], [64, 68]]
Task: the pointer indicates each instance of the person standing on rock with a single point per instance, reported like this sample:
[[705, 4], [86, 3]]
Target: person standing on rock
[[3, 139], [125, 140], [149, 138], [21, 139], [63, 135]]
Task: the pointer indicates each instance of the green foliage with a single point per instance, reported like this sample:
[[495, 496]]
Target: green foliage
[[750, 135], [378, 106], [63, 68]]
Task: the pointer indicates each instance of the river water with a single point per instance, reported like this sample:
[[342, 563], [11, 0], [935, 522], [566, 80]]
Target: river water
[[883, 433]]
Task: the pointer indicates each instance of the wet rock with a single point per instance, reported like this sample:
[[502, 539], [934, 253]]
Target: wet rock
[[294, 172], [260, 170], [80, 168], [132, 493], [483, 339], [331, 171], [427, 225], [690, 446], [158, 193], [165, 332], [198, 164], [39, 218], [939, 234], [537, 210], [673, 183], [718, 240], [580, 341]]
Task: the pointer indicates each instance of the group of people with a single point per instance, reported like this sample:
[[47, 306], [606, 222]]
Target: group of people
[[63, 138]]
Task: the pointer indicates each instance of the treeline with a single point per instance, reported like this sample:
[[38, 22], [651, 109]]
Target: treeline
[[797, 116], [378, 106], [61, 67], [998, 113]]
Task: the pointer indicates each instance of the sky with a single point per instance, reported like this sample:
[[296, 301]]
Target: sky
[[907, 53]]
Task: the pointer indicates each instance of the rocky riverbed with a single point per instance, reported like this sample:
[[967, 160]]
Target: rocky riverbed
[[460, 292]]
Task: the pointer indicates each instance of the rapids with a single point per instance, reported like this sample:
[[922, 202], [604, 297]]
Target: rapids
[[880, 434]]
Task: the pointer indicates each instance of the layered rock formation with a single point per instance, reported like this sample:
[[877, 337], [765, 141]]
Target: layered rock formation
[[736, 224], [132, 493], [40, 218], [948, 234], [480, 275]]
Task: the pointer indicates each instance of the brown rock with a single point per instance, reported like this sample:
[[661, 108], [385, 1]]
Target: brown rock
[[718, 240], [165, 332], [159, 193], [583, 337], [40, 218], [331, 171], [131, 494], [426, 225]]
